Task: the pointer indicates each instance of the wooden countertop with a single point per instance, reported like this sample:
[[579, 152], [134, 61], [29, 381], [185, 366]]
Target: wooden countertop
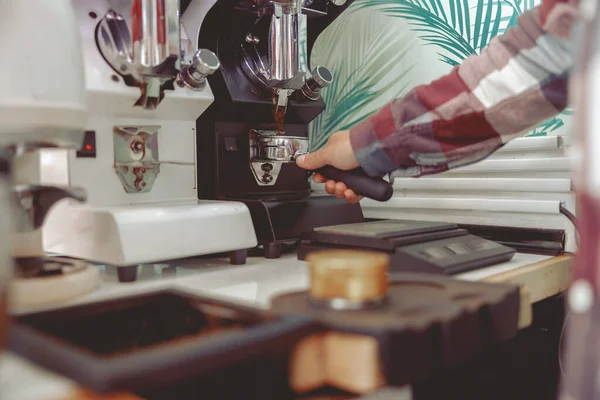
[[537, 282]]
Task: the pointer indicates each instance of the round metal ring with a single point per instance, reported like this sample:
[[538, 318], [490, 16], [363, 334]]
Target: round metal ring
[[340, 304]]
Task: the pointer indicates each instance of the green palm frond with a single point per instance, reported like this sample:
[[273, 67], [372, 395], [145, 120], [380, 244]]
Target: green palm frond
[[369, 64], [431, 26], [457, 37]]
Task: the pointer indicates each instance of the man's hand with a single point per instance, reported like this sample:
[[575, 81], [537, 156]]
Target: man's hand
[[337, 153]]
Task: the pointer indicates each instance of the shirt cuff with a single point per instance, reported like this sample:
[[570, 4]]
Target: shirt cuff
[[367, 147], [360, 135]]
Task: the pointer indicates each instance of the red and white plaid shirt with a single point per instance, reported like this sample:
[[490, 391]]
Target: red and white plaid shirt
[[519, 81]]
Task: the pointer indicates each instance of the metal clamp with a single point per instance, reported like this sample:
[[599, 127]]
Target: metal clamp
[[269, 150], [136, 157]]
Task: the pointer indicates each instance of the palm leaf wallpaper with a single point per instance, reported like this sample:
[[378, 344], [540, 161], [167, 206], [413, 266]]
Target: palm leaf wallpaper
[[370, 61], [379, 49]]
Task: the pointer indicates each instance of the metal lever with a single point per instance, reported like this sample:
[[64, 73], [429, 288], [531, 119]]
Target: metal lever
[[114, 42]]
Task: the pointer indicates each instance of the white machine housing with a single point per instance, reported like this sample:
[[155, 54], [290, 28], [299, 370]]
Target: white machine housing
[[42, 96], [168, 221]]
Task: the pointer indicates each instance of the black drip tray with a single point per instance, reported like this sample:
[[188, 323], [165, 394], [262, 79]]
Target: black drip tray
[[140, 323], [152, 341]]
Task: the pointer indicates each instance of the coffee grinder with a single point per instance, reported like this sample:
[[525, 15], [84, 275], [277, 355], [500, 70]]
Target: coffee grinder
[[265, 97], [146, 86]]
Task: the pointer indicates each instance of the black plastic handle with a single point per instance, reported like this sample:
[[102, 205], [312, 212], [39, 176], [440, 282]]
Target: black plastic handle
[[361, 183]]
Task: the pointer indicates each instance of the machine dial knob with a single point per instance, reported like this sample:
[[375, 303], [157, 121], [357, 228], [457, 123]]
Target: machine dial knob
[[204, 63], [320, 77], [348, 279]]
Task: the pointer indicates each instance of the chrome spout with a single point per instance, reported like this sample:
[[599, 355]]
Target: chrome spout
[[155, 36], [284, 70], [149, 52], [284, 53], [33, 202]]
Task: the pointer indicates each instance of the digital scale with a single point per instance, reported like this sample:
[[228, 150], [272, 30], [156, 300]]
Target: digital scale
[[419, 246]]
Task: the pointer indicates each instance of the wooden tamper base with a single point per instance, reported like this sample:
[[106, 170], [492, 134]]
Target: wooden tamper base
[[426, 322], [344, 279]]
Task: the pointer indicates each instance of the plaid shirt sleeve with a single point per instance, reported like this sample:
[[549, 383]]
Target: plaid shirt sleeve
[[517, 82]]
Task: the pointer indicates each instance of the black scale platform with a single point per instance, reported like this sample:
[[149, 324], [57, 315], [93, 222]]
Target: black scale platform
[[420, 246]]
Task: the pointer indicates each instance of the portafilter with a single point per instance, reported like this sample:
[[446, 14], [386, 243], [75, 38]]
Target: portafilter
[[276, 147]]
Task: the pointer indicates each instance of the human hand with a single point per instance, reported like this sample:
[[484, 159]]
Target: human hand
[[338, 153]]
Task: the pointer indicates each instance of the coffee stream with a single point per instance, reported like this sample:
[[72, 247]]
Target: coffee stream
[[279, 120], [278, 116]]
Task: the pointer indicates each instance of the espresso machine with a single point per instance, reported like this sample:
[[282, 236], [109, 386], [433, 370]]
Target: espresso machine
[[265, 97], [39, 109], [146, 86]]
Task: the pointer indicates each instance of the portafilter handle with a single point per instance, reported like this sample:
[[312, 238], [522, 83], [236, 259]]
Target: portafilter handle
[[362, 184], [374, 188]]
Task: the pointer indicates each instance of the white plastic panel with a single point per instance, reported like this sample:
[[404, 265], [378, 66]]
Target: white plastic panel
[[503, 165], [482, 204], [532, 143], [485, 184], [138, 234]]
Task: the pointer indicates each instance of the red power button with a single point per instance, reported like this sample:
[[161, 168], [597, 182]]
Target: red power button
[[88, 148]]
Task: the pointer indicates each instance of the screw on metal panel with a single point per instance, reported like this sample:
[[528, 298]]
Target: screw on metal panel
[[266, 167], [266, 178], [137, 146]]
